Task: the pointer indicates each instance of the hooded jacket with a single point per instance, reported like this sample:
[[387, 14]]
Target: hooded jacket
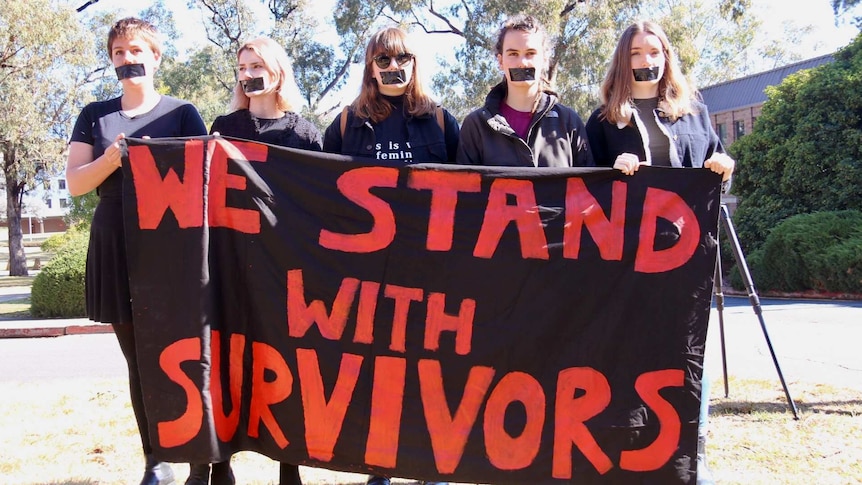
[[556, 136]]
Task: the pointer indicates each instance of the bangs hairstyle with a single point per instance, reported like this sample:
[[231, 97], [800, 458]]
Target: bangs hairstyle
[[675, 94], [530, 25], [277, 63], [131, 27], [369, 104]]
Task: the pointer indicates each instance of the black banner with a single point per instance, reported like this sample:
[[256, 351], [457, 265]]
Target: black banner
[[469, 324]]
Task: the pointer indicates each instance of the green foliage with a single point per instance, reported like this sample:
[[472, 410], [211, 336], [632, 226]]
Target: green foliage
[[805, 152], [81, 209], [72, 236], [183, 80], [820, 251], [46, 56], [58, 290]]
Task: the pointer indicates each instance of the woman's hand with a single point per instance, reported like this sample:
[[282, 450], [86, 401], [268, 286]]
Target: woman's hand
[[628, 163], [722, 164], [113, 153]]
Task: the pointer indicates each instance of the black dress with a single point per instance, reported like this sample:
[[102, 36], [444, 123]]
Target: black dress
[[107, 277]]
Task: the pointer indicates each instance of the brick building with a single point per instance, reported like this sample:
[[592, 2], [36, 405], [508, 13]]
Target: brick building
[[734, 105]]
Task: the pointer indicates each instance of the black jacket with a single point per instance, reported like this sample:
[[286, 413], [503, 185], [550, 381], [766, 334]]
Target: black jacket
[[691, 135], [556, 137]]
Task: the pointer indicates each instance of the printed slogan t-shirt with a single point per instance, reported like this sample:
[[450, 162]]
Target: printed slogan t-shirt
[[393, 141]]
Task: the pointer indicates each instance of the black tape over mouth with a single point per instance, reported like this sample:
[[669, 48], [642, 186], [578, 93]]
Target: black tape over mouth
[[130, 70], [393, 77], [252, 85], [522, 74], [646, 73]]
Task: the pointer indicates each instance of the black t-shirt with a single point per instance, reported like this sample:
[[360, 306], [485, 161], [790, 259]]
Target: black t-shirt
[[391, 136], [659, 144], [99, 124], [291, 130]]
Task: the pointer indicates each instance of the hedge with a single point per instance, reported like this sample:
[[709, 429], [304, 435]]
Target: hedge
[[58, 289], [810, 252]]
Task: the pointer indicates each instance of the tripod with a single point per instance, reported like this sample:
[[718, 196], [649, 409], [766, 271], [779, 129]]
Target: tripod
[[724, 216]]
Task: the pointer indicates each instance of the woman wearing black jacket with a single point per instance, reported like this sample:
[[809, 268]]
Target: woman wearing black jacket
[[523, 123], [393, 120], [651, 116]]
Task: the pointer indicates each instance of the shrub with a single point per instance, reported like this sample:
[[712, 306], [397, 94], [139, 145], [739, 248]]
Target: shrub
[[56, 242], [820, 251], [58, 290]]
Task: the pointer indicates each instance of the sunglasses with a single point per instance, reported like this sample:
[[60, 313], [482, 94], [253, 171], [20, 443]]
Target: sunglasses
[[383, 61]]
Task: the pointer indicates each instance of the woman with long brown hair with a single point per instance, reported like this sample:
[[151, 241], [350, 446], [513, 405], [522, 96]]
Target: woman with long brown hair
[[393, 120]]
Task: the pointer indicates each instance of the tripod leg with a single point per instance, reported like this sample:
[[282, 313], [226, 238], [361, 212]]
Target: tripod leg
[[753, 298], [719, 305]]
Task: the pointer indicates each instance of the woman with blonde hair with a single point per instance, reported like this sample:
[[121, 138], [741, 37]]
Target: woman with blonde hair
[[261, 111], [393, 119], [261, 108]]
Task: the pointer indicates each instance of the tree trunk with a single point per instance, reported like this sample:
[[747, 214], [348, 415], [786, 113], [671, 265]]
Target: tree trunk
[[17, 256]]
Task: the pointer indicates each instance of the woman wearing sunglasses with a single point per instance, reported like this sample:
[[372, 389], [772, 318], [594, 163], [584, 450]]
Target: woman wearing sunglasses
[[261, 111], [393, 120]]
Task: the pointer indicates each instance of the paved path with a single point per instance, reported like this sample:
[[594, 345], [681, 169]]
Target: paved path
[[814, 341]]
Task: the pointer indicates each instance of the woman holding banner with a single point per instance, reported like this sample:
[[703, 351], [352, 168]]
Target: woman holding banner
[[523, 123], [261, 111], [393, 120], [651, 116], [93, 162]]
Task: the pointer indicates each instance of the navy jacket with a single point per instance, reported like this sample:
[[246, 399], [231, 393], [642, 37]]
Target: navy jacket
[[423, 131]]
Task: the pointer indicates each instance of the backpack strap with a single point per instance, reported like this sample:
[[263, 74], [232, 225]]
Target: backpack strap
[[439, 114], [343, 121]]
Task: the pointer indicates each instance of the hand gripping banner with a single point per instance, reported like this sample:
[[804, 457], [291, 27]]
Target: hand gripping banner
[[438, 322]]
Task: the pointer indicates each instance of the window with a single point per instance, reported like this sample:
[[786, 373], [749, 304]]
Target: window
[[64, 203], [62, 184], [48, 203], [739, 129], [722, 133]]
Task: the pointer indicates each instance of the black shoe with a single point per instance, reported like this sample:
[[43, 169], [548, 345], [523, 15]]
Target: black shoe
[[157, 473], [222, 474], [199, 474], [288, 474], [375, 480]]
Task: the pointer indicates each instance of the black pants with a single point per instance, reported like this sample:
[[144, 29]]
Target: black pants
[[125, 333]]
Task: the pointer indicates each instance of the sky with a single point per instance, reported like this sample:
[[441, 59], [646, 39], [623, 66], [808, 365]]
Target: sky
[[825, 38]]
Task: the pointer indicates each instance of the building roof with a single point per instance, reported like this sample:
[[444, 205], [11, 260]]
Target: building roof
[[751, 90]]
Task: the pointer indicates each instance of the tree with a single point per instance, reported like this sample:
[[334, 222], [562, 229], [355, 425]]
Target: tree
[[583, 37], [319, 69], [45, 60], [843, 8], [805, 152]]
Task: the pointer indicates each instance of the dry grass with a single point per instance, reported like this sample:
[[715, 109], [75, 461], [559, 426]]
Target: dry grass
[[82, 432]]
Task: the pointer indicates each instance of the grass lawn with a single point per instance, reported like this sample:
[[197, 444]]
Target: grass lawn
[[79, 432]]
